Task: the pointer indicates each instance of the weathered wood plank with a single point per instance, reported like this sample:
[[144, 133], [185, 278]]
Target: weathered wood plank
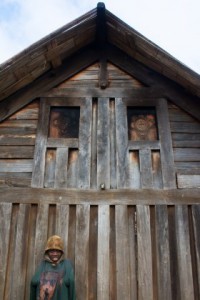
[[61, 167], [182, 166], [103, 257], [85, 144], [62, 224], [86, 88], [41, 233], [92, 262], [183, 252], [187, 154], [16, 152], [167, 161], [113, 197], [134, 170], [72, 171], [30, 249], [82, 250], [122, 253], [185, 127], [21, 245], [162, 251], [62, 143], [121, 144], [196, 226], [145, 272], [103, 73], [188, 181], [156, 170], [5, 219], [49, 171], [94, 145], [17, 141], [178, 115], [40, 149], [113, 159], [146, 168], [132, 252], [16, 165], [103, 144]]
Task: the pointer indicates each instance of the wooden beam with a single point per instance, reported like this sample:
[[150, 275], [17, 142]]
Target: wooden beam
[[170, 89], [101, 26], [111, 197], [70, 67]]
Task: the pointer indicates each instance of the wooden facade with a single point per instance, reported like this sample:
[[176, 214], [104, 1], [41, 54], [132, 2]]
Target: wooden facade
[[100, 143]]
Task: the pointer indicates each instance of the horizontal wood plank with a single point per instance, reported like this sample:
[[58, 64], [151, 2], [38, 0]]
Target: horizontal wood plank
[[73, 196]]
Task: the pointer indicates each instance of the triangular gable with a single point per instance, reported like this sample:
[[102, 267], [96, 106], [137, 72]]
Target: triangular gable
[[96, 35]]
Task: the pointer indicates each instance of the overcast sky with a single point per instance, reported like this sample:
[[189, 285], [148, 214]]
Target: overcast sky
[[174, 25]]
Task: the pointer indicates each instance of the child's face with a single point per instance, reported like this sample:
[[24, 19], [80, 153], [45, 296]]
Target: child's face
[[54, 255]]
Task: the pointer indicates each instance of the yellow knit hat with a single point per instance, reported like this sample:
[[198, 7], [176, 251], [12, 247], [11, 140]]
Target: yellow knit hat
[[55, 242]]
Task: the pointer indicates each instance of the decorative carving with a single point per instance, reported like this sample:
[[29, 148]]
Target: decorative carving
[[142, 128], [64, 122]]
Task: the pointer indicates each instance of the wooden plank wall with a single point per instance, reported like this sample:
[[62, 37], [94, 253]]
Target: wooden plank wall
[[118, 251], [185, 132]]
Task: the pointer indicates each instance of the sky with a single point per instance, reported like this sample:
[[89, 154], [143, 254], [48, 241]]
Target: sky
[[173, 25]]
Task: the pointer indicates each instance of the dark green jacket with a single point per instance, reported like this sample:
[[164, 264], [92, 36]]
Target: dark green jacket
[[52, 282]]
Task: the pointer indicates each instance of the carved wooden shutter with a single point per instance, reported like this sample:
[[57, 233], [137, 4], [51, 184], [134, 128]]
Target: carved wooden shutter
[[144, 164], [63, 161]]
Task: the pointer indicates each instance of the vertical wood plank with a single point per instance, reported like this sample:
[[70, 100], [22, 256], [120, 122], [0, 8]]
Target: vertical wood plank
[[166, 150], [103, 73], [162, 251], [11, 252], [145, 272], [50, 164], [103, 259], [20, 258], [62, 224], [94, 145], [61, 167], [92, 267], [5, 218], [134, 170], [40, 145], [103, 143], [41, 232], [82, 250], [113, 160], [122, 253], [132, 253], [31, 250], [85, 144], [72, 168], [156, 170], [196, 225], [146, 168], [183, 251], [121, 144]]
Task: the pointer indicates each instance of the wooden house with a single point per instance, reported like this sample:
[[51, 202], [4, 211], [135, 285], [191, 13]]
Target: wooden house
[[100, 143]]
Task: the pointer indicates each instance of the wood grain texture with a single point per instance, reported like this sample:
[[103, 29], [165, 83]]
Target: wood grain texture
[[121, 144], [162, 253], [145, 272], [103, 143], [5, 219], [122, 253], [103, 259], [82, 250], [84, 163], [184, 253]]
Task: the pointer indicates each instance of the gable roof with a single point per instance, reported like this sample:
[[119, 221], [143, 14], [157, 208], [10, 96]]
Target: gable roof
[[99, 27]]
